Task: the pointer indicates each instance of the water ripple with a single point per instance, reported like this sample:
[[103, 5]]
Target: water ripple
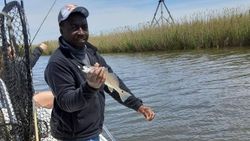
[[197, 95]]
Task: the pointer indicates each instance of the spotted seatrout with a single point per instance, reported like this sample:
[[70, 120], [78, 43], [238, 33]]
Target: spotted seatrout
[[112, 82]]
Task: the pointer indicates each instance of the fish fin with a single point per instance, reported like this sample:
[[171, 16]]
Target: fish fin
[[110, 89]]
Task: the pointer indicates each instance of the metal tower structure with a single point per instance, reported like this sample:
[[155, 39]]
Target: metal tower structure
[[161, 19]]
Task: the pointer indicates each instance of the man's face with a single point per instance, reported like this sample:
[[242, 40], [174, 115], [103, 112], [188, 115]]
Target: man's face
[[75, 30]]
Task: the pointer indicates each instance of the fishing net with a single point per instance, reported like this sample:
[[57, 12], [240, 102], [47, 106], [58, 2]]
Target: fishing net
[[20, 120], [17, 122]]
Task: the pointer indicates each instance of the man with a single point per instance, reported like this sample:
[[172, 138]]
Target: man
[[42, 99], [17, 99], [37, 52], [78, 110]]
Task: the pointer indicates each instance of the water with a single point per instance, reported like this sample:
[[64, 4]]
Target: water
[[197, 95]]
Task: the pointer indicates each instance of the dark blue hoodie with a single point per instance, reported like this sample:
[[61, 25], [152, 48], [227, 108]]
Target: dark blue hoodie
[[78, 110]]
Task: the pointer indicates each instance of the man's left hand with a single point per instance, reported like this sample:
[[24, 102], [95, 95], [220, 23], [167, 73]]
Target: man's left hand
[[147, 112]]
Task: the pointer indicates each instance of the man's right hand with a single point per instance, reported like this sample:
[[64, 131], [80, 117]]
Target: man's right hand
[[96, 76]]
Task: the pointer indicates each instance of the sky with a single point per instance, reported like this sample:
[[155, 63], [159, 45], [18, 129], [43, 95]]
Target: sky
[[111, 15]]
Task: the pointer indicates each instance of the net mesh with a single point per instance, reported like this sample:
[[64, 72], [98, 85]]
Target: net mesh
[[16, 115], [19, 119]]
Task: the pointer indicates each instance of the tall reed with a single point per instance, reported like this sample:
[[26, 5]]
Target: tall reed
[[211, 29]]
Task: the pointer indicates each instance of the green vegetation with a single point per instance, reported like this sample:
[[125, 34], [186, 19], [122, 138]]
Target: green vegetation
[[229, 28]]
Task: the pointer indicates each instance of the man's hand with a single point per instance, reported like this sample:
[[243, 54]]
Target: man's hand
[[43, 46], [147, 112], [96, 76]]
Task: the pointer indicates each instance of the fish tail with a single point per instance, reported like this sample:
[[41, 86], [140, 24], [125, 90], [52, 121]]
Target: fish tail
[[124, 95]]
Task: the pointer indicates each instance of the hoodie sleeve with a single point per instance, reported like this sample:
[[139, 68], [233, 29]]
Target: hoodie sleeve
[[37, 52]]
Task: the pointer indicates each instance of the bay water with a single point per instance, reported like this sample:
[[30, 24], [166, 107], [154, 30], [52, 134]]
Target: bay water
[[197, 95]]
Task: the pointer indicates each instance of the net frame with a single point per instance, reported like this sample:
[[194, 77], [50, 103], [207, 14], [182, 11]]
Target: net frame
[[16, 74]]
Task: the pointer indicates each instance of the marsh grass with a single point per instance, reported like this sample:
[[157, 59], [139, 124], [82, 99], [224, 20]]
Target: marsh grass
[[214, 29], [52, 45]]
